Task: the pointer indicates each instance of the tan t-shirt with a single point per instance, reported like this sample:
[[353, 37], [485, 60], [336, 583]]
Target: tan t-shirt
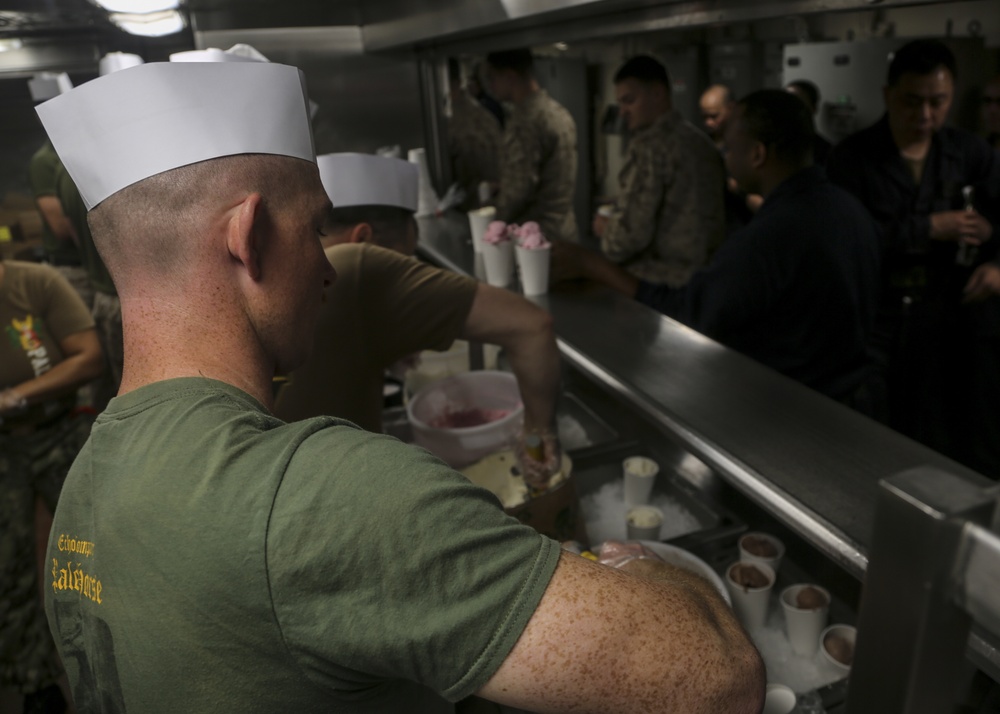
[[382, 307], [38, 309]]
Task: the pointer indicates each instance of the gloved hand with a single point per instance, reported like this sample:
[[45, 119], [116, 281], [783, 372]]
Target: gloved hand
[[540, 457]]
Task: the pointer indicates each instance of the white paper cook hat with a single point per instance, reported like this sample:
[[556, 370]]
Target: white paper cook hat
[[239, 52], [46, 85], [116, 130], [213, 54], [117, 61], [368, 180]]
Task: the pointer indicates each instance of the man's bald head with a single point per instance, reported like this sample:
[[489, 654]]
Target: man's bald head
[[716, 105], [157, 226]]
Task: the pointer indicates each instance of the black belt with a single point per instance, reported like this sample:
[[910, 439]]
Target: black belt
[[63, 262]]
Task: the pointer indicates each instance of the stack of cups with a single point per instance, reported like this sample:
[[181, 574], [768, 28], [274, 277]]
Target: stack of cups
[[642, 521], [479, 221], [427, 199]]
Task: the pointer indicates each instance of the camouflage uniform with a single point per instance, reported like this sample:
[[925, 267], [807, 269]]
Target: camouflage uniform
[[474, 143], [670, 213], [33, 463], [538, 167]]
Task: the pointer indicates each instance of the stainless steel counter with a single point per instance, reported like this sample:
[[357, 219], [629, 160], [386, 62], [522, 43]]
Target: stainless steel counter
[[809, 462]]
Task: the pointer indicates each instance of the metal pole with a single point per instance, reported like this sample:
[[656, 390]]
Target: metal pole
[[912, 634]]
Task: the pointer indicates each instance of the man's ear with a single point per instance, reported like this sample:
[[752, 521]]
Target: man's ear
[[243, 236], [758, 155], [361, 233]]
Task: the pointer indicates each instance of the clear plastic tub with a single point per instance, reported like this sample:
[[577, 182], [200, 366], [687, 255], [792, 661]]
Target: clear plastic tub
[[461, 446]]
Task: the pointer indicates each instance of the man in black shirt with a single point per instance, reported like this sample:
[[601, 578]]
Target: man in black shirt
[[936, 334], [796, 289], [809, 93]]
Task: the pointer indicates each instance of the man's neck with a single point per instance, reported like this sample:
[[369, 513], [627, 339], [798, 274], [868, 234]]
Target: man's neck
[[166, 340], [911, 148]]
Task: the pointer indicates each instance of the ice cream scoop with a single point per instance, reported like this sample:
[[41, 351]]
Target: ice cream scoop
[[530, 237], [810, 598], [761, 547], [748, 576], [496, 232], [840, 648]]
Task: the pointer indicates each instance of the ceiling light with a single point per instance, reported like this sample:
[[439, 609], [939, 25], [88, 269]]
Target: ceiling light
[[151, 24], [137, 6], [11, 44]]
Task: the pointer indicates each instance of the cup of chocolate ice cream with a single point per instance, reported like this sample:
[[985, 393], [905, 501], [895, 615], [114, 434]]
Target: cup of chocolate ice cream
[[750, 585], [762, 548], [806, 608], [836, 648], [643, 523]]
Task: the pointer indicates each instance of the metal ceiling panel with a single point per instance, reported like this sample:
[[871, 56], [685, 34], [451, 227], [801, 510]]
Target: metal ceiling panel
[[486, 25], [218, 15]]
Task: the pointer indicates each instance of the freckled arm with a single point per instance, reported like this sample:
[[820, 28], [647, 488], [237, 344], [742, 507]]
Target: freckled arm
[[603, 640]]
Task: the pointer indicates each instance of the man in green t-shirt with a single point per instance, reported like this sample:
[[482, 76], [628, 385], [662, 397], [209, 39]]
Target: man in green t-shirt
[[384, 307], [208, 557]]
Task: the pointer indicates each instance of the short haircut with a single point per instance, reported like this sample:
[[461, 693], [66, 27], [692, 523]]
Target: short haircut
[[149, 226], [808, 90], [389, 223], [519, 61], [781, 122], [643, 68], [921, 57]]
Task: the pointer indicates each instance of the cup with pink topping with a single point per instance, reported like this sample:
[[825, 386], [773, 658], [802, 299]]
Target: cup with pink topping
[[498, 254], [534, 256]]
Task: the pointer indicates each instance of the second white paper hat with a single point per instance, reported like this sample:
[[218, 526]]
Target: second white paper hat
[[120, 129], [368, 180]]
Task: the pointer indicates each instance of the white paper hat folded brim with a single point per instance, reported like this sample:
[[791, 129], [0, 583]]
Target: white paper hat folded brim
[[212, 54], [368, 180], [120, 129]]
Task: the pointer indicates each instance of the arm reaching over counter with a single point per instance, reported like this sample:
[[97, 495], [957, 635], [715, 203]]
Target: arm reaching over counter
[[525, 332], [660, 642]]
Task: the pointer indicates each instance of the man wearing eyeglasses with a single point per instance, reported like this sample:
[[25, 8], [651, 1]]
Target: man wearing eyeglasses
[[929, 187]]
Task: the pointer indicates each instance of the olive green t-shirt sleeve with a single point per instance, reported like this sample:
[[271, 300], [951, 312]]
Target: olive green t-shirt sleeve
[[414, 306], [385, 564], [42, 172]]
